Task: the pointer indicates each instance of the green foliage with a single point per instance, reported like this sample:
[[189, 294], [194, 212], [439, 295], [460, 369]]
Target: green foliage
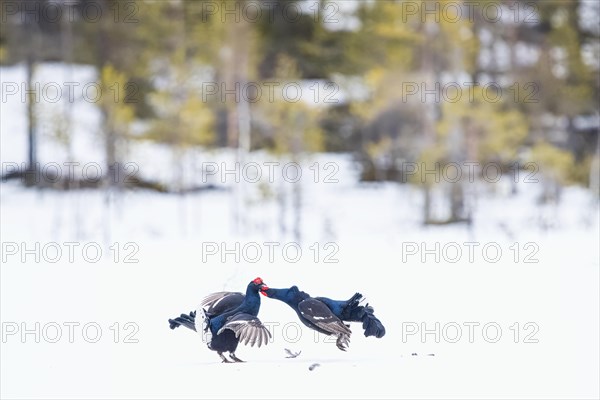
[[119, 114], [3, 54], [182, 118], [581, 171], [183, 42], [553, 162], [58, 126], [432, 158], [496, 131], [568, 85], [294, 126], [302, 41], [385, 36]]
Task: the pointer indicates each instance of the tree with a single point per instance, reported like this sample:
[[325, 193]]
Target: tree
[[293, 129]]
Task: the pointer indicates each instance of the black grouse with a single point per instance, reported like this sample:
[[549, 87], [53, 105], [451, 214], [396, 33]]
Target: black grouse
[[229, 318], [313, 313], [325, 315]]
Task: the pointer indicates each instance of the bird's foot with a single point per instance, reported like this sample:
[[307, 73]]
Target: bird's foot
[[225, 360], [342, 342], [234, 358]]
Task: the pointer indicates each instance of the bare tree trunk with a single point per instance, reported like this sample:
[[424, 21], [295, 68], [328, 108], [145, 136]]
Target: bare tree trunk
[[426, 203], [72, 181], [238, 127], [297, 186], [281, 203], [595, 172], [31, 176], [297, 198], [428, 117], [103, 51], [456, 144]]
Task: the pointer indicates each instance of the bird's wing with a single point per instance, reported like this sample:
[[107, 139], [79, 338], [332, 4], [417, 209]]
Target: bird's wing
[[248, 329], [220, 302], [320, 315]]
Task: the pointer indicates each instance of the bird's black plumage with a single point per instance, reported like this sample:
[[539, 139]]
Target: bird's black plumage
[[325, 315], [313, 313], [229, 318], [352, 310]]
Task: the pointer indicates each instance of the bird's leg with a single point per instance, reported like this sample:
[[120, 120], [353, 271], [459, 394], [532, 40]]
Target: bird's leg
[[342, 342], [234, 358], [225, 360]]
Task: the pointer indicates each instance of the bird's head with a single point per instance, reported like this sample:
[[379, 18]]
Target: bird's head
[[260, 285], [267, 291], [287, 294]]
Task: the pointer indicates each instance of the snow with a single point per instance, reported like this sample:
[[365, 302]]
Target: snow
[[374, 229]]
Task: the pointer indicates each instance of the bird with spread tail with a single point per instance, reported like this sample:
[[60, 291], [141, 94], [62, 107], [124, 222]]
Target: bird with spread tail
[[326, 316], [228, 319]]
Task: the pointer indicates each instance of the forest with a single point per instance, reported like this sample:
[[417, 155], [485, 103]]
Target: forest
[[460, 89]]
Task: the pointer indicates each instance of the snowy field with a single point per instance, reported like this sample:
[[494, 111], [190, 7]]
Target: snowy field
[[102, 329]]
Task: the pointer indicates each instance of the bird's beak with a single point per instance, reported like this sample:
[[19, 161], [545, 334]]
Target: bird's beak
[[263, 290]]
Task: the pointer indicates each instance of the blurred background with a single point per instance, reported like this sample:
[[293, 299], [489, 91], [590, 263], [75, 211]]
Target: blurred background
[[364, 128], [391, 84]]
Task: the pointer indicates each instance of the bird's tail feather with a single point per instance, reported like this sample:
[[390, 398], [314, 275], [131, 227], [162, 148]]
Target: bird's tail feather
[[189, 321], [355, 311], [371, 324]]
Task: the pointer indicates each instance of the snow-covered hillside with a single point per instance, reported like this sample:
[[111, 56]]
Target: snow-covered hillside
[[511, 309]]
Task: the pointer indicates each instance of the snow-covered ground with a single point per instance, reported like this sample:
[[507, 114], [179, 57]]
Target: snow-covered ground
[[528, 317]]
